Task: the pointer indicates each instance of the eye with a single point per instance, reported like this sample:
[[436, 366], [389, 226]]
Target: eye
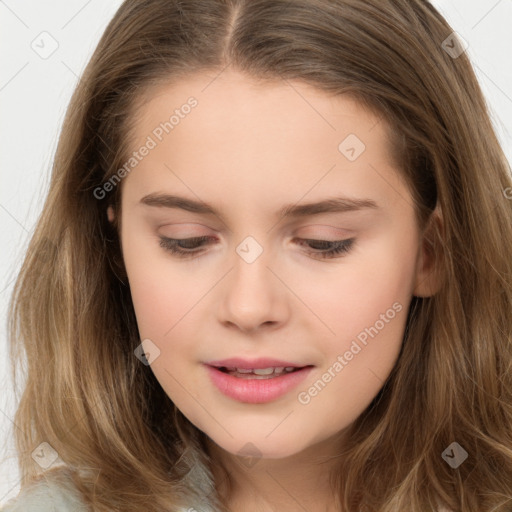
[[175, 245], [328, 249], [183, 247]]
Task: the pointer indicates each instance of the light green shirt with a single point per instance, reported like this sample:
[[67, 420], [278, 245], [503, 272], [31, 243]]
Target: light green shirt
[[49, 496], [45, 496]]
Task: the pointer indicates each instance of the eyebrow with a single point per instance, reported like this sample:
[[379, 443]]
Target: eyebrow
[[331, 205]]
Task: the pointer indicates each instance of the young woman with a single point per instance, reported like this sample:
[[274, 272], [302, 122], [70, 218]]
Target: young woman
[[273, 270]]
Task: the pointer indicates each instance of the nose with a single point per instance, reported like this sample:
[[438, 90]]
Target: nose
[[252, 296]]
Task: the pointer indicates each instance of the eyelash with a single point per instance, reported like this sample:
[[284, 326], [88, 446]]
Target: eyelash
[[336, 246]]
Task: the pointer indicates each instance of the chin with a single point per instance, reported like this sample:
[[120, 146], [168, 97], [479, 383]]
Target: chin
[[259, 447]]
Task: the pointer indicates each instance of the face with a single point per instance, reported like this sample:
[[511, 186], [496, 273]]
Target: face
[[323, 289]]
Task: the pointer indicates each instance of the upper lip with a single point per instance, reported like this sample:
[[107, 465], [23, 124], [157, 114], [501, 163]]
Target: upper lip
[[248, 364]]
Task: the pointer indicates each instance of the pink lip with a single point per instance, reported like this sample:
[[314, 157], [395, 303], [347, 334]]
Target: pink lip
[[262, 362], [256, 391]]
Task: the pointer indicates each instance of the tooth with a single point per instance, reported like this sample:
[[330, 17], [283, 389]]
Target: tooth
[[243, 370], [263, 371], [290, 368], [279, 369]]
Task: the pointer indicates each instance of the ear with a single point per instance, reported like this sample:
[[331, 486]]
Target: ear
[[110, 214], [428, 278]]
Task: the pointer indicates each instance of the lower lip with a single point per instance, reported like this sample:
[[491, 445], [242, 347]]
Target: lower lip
[[257, 391]]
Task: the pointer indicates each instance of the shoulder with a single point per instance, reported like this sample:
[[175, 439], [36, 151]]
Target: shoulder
[[47, 495], [55, 493]]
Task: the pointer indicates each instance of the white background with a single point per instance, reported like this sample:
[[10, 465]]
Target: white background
[[34, 93]]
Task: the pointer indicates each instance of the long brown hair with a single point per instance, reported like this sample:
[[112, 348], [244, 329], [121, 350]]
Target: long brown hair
[[125, 444]]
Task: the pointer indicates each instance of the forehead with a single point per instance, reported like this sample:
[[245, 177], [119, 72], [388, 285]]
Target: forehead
[[230, 100], [281, 135]]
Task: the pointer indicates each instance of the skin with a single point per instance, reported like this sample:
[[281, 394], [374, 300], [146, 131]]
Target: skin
[[248, 148]]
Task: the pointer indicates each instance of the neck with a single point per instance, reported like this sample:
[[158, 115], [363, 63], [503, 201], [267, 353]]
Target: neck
[[299, 481]]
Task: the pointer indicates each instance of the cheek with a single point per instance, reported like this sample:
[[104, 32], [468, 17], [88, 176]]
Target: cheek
[[368, 322], [162, 301], [158, 292], [364, 304], [352, 295]]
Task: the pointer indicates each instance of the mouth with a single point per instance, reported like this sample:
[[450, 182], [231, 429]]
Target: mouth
[[256, 384], [259, 373]]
